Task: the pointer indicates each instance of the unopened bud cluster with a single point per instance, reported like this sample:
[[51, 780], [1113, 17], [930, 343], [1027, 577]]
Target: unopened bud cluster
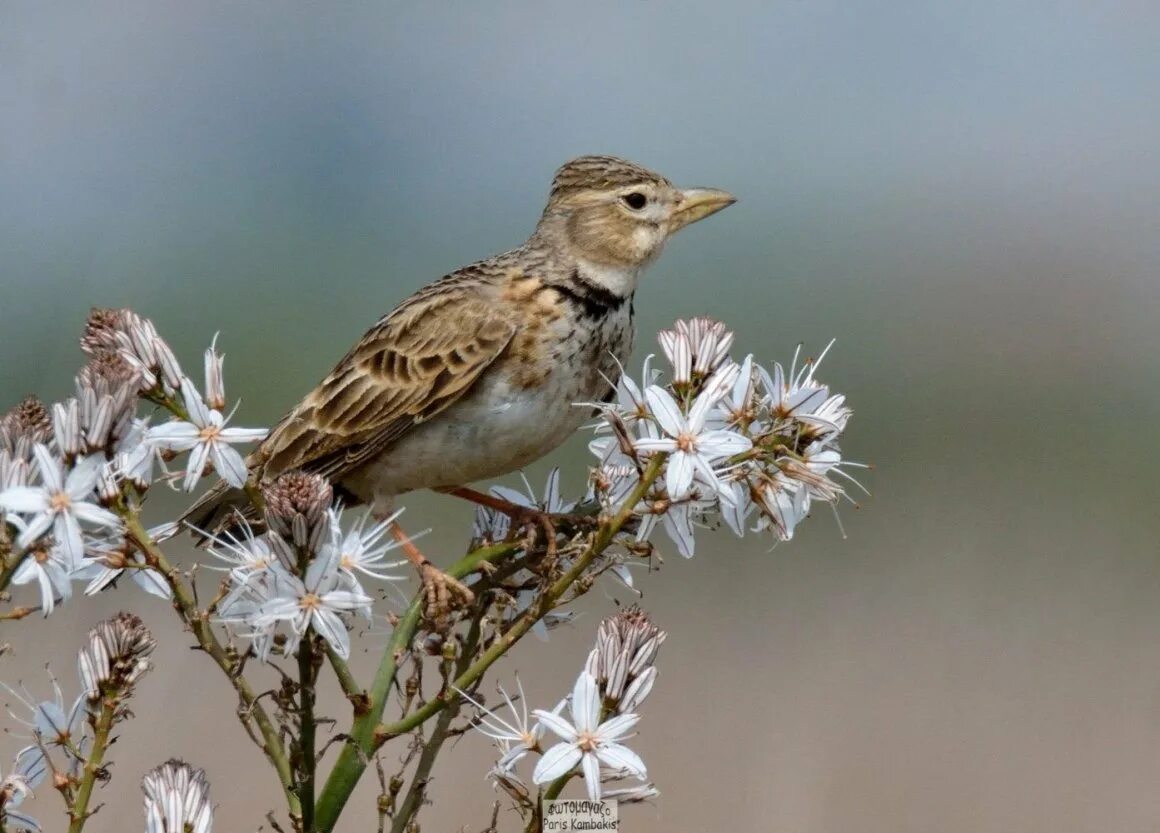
[[125, 333], [297, 507], [622, 663], [116, 656], [177, 799]]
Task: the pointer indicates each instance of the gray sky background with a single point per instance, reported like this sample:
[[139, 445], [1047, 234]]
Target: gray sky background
[[964, 194]]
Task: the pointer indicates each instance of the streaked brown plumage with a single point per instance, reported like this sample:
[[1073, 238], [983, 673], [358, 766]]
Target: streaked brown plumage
[[477, 374]]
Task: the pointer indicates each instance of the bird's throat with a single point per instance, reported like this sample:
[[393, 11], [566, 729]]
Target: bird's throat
[[612, 281]]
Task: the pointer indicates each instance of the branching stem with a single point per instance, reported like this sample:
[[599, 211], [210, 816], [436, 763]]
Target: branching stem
[[199, 625], [367, 736]]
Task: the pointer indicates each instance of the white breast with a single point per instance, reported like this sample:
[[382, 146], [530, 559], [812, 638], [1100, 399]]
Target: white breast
[[494, 431]]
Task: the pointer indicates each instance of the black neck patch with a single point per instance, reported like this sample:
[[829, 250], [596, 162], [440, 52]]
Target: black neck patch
[[595, 300]]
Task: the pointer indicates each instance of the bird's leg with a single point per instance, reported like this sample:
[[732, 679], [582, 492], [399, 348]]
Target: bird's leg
[[441, 593], [522, 516]]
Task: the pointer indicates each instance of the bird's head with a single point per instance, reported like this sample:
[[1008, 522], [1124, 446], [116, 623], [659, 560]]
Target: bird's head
[[616, 215]]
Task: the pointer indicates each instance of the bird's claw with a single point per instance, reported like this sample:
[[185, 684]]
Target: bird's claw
[[442, 595]]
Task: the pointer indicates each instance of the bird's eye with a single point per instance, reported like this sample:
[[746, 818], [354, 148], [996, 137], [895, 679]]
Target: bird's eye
[[636, 200]]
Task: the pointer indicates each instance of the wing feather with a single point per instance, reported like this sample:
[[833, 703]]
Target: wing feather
[[412, 365]]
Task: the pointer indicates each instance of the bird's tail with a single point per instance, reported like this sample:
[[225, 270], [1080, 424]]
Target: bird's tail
[[223, 510]]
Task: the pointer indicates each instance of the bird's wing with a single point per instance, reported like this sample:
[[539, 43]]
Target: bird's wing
[[413, 364]]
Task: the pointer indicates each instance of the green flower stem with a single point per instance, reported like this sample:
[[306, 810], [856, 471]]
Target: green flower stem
[[102, 726], [413, 800], [355, 754], [307, 730], [350, 687], [366, 737], [557, 786], [199, 625]]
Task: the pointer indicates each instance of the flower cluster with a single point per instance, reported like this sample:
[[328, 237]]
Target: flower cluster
[[65, 470], [305, 572], [738, 441], [113, 659], [616, 679]]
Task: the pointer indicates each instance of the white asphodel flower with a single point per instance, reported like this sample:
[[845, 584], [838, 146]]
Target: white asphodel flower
[[314, 603], [206, 438], [783, 503], [52, 574], [692, 448], [242, 607], [517, 737], [796, 393], [60, 503], [363, 550], [13, 790], [51, 726], [588, 742], [101, 575]]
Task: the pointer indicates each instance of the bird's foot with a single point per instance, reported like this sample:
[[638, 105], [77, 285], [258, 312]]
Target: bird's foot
[[442, 595]]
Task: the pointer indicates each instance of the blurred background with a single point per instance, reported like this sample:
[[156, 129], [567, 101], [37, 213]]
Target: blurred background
[[964, 194]]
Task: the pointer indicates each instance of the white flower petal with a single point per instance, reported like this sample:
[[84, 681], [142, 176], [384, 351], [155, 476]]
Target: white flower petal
[[229, 464], [651, 444], [175, 435], [84, 475], [715, 390], [24, 499], [585, 703], [622, 759], [557, 761], [558, 725], [35, 528], [679, 474], [152, 583], [680, 529], [243, 435], [51, 469], [94, 514], [331, 628], [615, 728], [196, 466], [199, 413], [591, 767], [714, 444], [666, 410], [69, 540]]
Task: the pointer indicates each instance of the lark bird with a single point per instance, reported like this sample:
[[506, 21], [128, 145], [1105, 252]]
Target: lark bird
[[479, 373]]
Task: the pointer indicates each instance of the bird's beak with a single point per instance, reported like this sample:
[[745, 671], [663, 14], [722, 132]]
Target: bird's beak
[[697, 204]]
